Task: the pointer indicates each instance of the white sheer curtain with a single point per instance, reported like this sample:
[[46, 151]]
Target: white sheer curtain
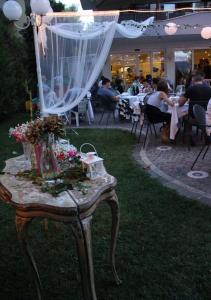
[[73, 51], [72, 56], [132, 29]]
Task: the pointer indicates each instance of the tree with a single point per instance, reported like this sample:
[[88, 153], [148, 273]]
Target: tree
[[57, 6], [71, 8], [13, 59]]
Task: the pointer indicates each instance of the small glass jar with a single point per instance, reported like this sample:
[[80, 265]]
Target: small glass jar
[[48, 163], [27, 150]]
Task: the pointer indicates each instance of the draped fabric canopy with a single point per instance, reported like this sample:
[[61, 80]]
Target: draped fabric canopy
[[131, 29], [73, 51]]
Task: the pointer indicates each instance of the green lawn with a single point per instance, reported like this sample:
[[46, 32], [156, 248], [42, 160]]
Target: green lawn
[[164, 244]]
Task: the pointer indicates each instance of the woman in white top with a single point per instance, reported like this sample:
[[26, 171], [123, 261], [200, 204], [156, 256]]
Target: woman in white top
[[154, 103]]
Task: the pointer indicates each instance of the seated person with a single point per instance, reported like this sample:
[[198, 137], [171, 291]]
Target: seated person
[[119, 85], [155, 84], [146, 87], [149, 78], [155, 101], [208, 118], [197, 93], [107, 92], [94, 90], [136, 86]]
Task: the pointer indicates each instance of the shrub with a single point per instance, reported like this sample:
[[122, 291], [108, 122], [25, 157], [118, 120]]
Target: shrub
[[13, 73]]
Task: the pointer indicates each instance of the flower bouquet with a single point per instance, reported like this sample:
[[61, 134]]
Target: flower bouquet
[[42, 133], [19, 133], [55, 164]]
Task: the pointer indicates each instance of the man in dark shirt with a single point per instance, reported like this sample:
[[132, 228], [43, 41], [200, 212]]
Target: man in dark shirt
[[197, 93], [107, 92]]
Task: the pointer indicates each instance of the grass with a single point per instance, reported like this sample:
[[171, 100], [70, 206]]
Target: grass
[[164, 244]]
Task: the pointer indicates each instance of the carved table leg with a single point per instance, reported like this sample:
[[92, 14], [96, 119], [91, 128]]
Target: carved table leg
[[114, 205], [22, 227], [82, 233]]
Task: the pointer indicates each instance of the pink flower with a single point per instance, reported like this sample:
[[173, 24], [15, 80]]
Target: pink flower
[[71, 153], [19, 132], [61, 156]]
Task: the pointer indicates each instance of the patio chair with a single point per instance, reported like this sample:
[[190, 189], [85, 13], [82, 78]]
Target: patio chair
[[108, 107], [200, 116], [125, 111], [189, 122], [138, 119], [141, 117], [81, 110], [149, 124], [147, 120]]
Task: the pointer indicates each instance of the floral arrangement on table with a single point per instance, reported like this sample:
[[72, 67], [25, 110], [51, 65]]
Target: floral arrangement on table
[[65, 154], [54, 167], [19, 132], [39, 136], [40, 129]]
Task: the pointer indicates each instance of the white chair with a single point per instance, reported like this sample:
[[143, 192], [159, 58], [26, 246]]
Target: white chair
[[80, 109]]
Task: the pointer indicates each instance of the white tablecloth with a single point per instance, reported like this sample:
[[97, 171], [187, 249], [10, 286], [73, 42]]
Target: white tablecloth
[[90, 111], [132, 99], [176, 112]]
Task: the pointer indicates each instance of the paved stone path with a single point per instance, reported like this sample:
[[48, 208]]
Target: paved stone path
[[171, 166]]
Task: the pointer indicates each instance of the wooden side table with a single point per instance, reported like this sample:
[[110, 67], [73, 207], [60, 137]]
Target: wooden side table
[[71, 207]]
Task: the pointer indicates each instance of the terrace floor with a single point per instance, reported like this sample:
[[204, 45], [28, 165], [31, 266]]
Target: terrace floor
[[171, 164]]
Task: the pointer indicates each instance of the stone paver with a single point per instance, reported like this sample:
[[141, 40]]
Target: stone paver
[[172, 166]]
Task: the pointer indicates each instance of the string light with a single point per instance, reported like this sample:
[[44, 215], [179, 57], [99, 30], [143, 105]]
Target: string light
[[206, 33], [170, 28]]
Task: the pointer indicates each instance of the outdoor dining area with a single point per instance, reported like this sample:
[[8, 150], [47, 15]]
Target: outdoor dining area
[[105, 191]]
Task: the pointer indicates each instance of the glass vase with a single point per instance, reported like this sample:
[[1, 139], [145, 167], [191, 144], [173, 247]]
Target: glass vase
[[48, 163], [27, 150], [37, 158]]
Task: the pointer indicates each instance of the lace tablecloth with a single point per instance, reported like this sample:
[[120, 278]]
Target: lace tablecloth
[[25, 192]]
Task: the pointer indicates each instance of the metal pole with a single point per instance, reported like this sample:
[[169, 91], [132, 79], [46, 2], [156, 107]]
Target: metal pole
[[37, 55]]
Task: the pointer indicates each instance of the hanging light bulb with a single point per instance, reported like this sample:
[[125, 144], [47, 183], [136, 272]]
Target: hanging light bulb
[[12, 10], [40, 7], [170, 28], [206, 33]]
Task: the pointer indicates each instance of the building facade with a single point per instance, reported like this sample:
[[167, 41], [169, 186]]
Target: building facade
[[157, 53]]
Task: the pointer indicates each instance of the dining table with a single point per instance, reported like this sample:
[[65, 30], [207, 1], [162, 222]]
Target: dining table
[[177, 113], [71, 207], [139, 98], [133, 102]]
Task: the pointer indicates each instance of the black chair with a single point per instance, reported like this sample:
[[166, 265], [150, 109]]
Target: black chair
[[136, 119], [200, 116], [149, 125], [125, 111], [146, 119], [108, 107], [190, 122]]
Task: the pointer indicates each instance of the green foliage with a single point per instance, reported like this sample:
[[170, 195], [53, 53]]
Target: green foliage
[[71, 8], [57, 6], [13, 73]]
